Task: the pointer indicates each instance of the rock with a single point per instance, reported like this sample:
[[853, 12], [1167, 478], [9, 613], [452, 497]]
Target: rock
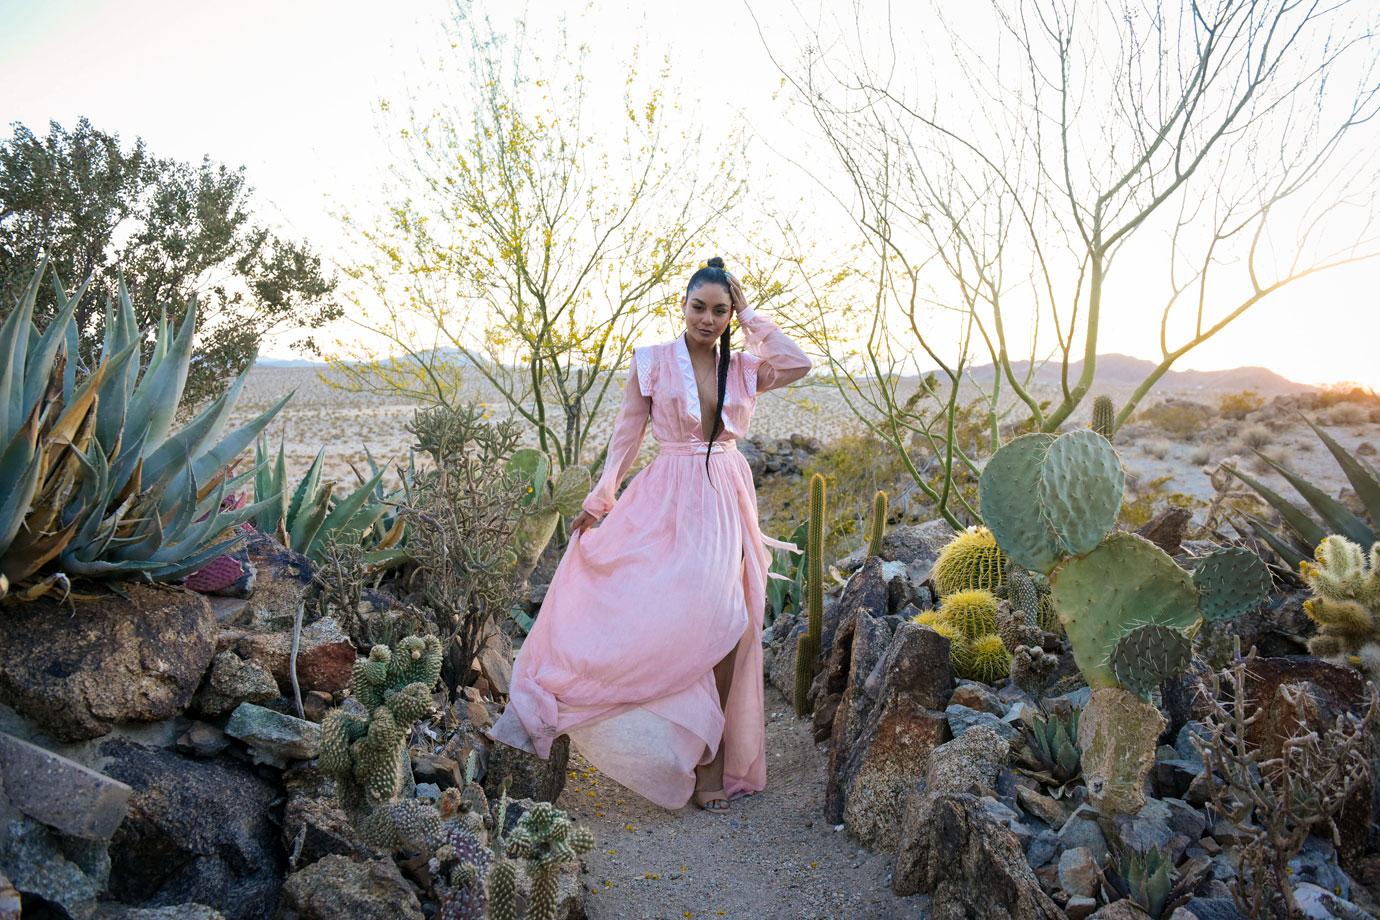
[[969, 763], [315, 705], [1316, 863], [889, 753], [438, 769], [202, 740], [1042, 807], [529, 776], [495, 660], [67, 873], [1125, 909], [10, 905], [914, 545], [1078, 908], [1185, 819], [176, 912], [1166, 529], [233, 681], [1173, 778], [1117, 733], [313, 823], [980, 697], [1319, 904], [865, 594], [1148, 828], [283, 579], [197, 831], [1078, 872], [336, 886], [970, 866], [1208, 909], [273, 737], [59, 792], [1081, 829], [786, 636], [961, 719], [78, 668], [325, 656], [1041, 848]]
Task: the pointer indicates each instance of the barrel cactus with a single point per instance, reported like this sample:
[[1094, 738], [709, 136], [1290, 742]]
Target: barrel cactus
[[971, 561], [973, 613]]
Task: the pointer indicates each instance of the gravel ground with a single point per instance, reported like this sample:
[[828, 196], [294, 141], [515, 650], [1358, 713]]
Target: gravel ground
[[772, 855]]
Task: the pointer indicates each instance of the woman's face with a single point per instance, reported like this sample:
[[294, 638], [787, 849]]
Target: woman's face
[[707, 312]]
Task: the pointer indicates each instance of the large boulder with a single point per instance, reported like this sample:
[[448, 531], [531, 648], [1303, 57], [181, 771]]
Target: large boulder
[[892, 748], [313, 823], [969, 864], [337, 886], [283, 579], [197, 832], [78, 669], [914, 545]]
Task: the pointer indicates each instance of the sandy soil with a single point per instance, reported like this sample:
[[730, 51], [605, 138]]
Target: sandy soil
[[771, 856]]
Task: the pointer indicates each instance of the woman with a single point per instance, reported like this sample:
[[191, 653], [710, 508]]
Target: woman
[[648, 648]]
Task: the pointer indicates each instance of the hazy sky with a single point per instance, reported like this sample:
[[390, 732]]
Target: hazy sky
[[288, 89]]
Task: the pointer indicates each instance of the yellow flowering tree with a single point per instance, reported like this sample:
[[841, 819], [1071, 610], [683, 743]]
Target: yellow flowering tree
[[532, 229]]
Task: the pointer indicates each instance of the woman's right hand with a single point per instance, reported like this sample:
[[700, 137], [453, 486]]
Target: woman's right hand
[[582, 520]]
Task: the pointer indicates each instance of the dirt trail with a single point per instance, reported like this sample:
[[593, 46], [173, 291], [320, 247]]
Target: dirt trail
[[771, 856]]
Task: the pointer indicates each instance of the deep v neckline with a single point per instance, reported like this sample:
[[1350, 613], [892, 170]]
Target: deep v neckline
[[691, 385]]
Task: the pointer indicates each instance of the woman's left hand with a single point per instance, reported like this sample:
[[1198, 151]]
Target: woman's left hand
[[735, 294]]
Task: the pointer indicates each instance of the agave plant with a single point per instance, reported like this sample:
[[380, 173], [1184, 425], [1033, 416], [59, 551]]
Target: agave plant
[[314, 516], [94, 481], [1303, 532], [1151, 881], [1051, 751]]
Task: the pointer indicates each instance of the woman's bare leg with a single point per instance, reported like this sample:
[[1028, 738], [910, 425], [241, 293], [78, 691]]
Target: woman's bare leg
[[710, 777]]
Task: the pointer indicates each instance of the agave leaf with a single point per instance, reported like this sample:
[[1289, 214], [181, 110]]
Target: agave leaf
[[156, 398], [343, 512], [307, 524], [121, 339], [1362, 478], [39, 370], [236, 441], [268, 489], [305, 495], [1337, 516], [72, 362], [190, 439], [1302, 524], [393, 535], [15, 505], [14, 349], [1287, 552]]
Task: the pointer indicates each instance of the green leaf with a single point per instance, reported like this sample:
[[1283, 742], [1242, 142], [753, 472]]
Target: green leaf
[[1302, 524], [1361, 479]]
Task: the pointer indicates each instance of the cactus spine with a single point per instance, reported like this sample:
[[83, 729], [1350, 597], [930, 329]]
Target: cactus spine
[[1103, 417], [877, 530], [808, 647]]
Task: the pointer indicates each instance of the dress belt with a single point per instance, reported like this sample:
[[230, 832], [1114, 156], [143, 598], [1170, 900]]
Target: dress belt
[[676, 448]]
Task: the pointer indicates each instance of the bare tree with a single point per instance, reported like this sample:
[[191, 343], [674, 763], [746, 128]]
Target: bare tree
[[1229, 144]]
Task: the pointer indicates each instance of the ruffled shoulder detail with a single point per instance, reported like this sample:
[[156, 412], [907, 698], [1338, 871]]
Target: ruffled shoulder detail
[[642, 358]]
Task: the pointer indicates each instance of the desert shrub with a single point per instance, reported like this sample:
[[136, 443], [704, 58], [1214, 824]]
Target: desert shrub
[[1149, 499], [1200, 456], [1239, 405], [1179, 418], [1337, 394], [1348, 413], [1256, 436], [1156, 447]]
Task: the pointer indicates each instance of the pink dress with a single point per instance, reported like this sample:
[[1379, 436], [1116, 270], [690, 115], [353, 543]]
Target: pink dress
[[642, 607]]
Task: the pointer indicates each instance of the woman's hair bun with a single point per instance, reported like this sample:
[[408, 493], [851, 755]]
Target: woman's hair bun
[[716, 262]]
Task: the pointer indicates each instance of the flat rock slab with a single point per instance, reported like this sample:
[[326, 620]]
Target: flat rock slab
[[59, 792], [280, 737]]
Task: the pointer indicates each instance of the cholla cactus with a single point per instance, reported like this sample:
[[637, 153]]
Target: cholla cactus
[[547, 839], [1346, 600], [368, 756]]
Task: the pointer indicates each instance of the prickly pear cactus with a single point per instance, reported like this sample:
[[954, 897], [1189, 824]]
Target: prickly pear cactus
[[1231, 581], [1147, 655]]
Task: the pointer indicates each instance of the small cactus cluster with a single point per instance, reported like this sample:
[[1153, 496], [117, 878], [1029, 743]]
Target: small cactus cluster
[[971, 561], [809, 644], [1345, 581], [1052, 503], [367, 755], [1030, 596], [1050, 747], [968, 619]]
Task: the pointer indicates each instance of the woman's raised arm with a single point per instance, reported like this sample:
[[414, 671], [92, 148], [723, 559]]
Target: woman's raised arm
[[628, 430], [782, 360]]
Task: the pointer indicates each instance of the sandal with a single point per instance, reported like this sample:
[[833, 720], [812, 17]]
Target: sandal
[[711, 800]]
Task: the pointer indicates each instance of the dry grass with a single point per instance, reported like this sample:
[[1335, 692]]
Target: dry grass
[[1257, 436]]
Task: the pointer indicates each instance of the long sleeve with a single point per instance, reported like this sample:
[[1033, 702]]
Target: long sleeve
[[629, 428], [782, 361]]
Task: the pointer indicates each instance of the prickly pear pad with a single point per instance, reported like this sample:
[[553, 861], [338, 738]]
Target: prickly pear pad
[[1231, 581], [1081, 484], [1127, 581], [1146, 655], [1009, 491]]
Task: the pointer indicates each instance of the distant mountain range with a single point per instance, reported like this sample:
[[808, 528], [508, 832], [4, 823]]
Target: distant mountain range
[[1116, 372]]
